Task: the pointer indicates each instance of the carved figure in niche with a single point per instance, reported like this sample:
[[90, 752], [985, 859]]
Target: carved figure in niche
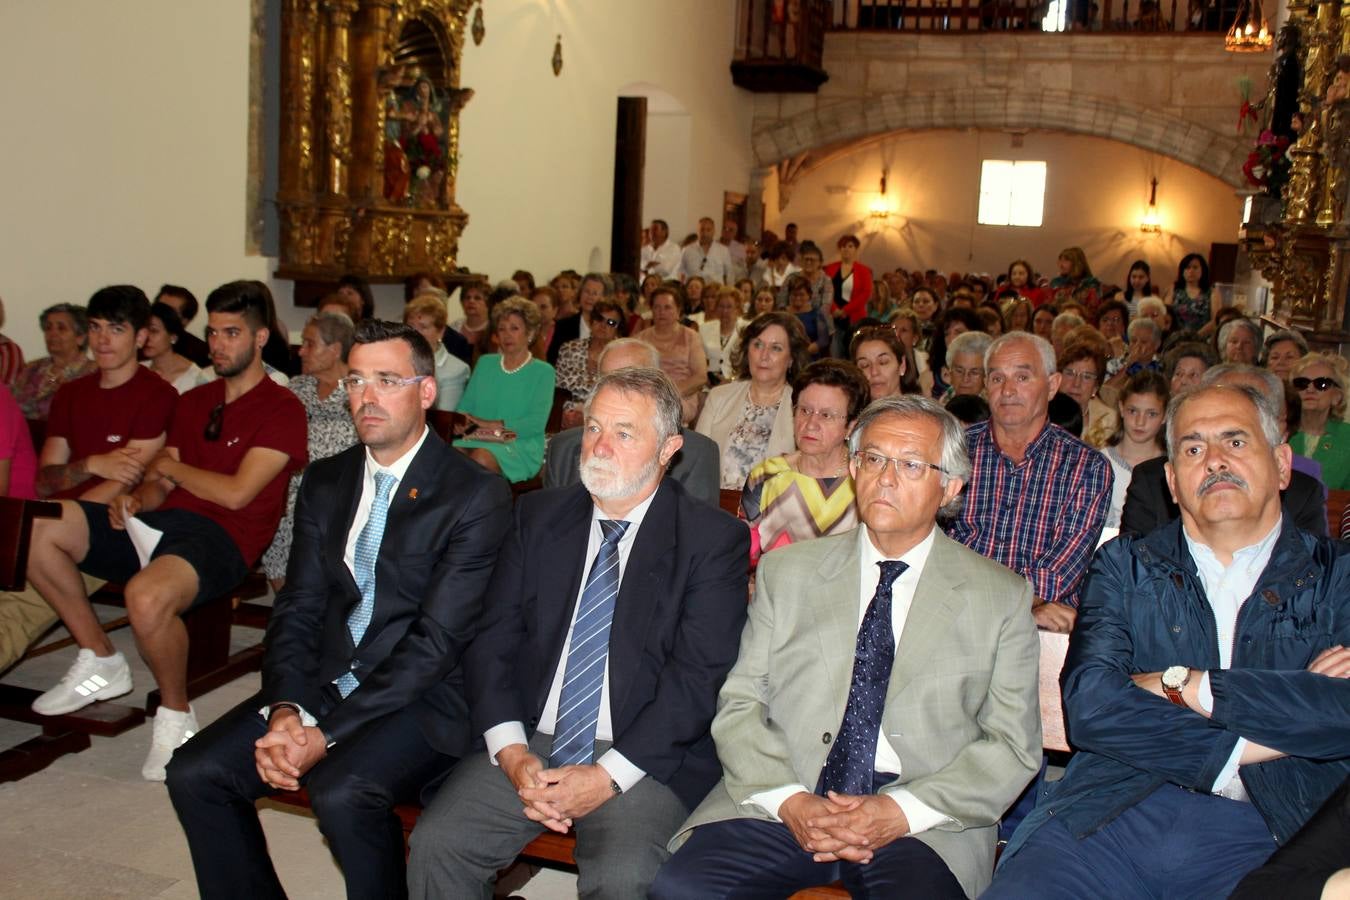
[[415, 149]]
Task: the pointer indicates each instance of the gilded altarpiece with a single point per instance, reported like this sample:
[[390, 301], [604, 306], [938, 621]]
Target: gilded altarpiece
[[1305, 254], [370, 103]]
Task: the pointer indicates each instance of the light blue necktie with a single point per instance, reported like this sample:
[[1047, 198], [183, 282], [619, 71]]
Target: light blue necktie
[[367, 552], [584, 677]]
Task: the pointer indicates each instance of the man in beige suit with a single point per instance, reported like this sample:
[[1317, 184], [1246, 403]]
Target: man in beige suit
[[883, 710]]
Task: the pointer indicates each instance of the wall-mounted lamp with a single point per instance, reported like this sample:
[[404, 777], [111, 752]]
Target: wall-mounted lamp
[[1151, 223], [880, 209]]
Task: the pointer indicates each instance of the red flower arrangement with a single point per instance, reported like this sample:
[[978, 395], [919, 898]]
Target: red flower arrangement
[[1267, 166]]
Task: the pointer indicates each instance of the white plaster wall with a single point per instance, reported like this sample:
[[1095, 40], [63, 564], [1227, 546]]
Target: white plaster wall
[[665, 180], [123, 154], [1096, 193]]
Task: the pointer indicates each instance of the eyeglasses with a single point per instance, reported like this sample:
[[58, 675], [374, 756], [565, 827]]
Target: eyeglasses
[[1322, 384], [960, 372], [1071, 375], [213, 424], [612, 323], [826, 417], [383, 384], [912, 469]]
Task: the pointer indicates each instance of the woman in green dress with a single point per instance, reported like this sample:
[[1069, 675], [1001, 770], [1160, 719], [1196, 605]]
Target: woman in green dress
[[509, 397], [1323, 434]]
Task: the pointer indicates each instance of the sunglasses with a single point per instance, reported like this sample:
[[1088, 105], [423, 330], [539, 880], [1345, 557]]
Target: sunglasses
[[1322, 384], [212, 430], [612, 323]]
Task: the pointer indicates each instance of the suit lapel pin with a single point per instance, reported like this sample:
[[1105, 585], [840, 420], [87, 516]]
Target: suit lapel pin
[[412, 494]]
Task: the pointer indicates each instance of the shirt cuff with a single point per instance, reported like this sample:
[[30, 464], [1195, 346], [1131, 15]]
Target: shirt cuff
[[504, 735], [624, 773], [1204, 695], [920, 815], [1230, 768], [769, 801], [306, 719]]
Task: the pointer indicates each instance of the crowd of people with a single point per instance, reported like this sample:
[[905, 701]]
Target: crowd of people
[[927, 465]]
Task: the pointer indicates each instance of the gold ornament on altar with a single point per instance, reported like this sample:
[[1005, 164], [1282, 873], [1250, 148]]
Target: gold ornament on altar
[[369, 147]]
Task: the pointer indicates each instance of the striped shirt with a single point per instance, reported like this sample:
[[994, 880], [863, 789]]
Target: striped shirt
[[1041, 518]]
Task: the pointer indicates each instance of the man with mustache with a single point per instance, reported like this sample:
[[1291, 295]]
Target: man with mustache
[[615, 611], [203, 513], [362, 697], [1207, 686]]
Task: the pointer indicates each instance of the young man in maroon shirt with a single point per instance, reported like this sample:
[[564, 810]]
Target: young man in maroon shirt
[[203, 514], [104, 429]]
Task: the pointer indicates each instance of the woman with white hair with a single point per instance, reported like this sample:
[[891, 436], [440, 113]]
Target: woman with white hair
[[1323, 434]]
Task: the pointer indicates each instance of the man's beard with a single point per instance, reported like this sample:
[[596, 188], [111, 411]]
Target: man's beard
[[236, 364], [601, 478]]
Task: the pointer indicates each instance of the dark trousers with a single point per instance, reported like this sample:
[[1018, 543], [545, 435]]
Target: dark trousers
[[750, 859], [214, 785], [1300, 869], [1173, 844]]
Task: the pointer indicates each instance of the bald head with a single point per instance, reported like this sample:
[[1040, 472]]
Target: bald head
[[627, 353]]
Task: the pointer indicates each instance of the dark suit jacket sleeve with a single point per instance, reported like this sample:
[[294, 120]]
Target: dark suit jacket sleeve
[[492, 687], [561, 457], [1306, 503], [449, 616], [717, 550], [700, 467], [1146, 500], [295, 629]]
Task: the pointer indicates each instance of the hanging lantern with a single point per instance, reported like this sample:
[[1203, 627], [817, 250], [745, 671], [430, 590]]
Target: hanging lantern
[[1250, 32], [478, 30], [557, 57]]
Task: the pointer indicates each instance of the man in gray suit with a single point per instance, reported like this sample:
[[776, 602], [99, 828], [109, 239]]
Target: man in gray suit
[[880, 753], [696, 465]]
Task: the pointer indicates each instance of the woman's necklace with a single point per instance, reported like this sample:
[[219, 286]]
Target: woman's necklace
[[502, 359]]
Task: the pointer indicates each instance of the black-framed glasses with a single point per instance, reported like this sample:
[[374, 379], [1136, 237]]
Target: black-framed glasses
[[1322, 384], [213, 424], [911, 469]]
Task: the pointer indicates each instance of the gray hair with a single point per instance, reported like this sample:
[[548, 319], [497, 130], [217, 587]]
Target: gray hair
[[976, 342], [1266, 411], [335, 328], [1152, 300], [1274, 390], [1248, 324], [1280, 336], [1145, 324], [652, 356], [1044, 349], [1067, 320], [606, 283], [651, 383], [955, 459]]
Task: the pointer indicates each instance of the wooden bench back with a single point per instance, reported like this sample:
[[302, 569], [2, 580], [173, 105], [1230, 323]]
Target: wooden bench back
[[16, 527], [1337, 501]]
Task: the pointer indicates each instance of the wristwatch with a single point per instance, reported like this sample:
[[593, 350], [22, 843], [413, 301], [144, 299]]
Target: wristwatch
[[1174, 678]]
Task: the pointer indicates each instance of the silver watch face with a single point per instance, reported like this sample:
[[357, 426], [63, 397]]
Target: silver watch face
[[1175, 677]]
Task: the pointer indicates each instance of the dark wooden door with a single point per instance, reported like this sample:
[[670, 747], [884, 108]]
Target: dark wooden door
[[630, 157]]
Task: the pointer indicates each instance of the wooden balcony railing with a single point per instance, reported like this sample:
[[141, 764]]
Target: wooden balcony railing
[[780, 44], [1114, 16]]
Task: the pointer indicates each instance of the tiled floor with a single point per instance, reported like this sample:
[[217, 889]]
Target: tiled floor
[[89, 827]]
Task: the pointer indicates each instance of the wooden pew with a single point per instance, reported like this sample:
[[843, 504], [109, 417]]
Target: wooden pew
[[60, 734], [1337, 501]]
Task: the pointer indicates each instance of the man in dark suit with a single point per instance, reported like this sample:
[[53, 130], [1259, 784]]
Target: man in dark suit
[[1149, 503], [615, 615], [696, 465], [362, 698]]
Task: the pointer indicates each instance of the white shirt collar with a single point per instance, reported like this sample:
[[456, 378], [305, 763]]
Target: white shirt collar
[[399, 467]]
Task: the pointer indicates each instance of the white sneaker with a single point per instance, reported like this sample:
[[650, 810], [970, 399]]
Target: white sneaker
[[172, 730], [88, 679]]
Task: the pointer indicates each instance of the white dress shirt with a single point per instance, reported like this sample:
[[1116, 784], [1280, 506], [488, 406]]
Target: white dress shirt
[[663, 260], [920, 815], [398, 468], [714, 264], [1227, 589], [624, 773]]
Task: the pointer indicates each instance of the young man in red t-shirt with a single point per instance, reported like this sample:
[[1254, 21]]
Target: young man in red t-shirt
[[104, 429], [211, 500]]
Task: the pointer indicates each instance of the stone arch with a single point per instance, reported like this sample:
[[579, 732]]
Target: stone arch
[[1209, 151]]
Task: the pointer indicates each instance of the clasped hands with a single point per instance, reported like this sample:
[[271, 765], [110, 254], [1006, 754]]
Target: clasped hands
[[288, 750], [554, 797], [843, 826]]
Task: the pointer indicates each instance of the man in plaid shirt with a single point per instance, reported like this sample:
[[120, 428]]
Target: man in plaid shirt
[[1037, 496]]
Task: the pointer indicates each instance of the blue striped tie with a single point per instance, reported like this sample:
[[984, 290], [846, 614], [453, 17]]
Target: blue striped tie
[[367, 552], [584, 677]]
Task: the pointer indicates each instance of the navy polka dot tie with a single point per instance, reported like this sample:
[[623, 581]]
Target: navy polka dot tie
[[849, 767]]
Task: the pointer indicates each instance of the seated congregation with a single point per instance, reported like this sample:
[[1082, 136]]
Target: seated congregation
[[493, 604]]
